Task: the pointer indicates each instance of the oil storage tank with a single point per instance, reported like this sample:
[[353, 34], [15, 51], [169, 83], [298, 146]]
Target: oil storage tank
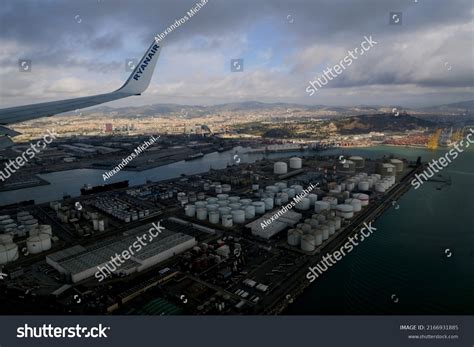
[[280, 168], [296, 163], [398, 164], [8, 253], [347, 166], [358, 161], [387, 169], [39, 243]]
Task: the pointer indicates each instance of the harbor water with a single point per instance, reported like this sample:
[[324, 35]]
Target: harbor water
[[419, 261]]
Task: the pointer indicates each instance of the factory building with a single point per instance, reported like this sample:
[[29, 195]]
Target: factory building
[[80, 262]]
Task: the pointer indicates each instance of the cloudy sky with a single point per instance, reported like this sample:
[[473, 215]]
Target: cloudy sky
[[79, 48]]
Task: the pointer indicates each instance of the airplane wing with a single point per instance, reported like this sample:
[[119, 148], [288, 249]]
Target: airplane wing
[[136, 84]]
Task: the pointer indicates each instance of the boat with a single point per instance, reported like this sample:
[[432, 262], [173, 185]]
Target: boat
[[88, 189], [194, 156]]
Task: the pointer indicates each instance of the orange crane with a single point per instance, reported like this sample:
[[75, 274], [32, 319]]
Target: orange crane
[[433, 140], [457, 136]]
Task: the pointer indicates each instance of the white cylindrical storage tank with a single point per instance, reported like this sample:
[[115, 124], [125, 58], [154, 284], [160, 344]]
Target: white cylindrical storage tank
[[294, 237], [336, 221], [223, 203], [272, 189], [325, 231], [201, 213], [380, 187], [245, 202], [222, 196], [281, 185], [45, 229], [255, 187], [6, 238], [38, 244], [238, 216], [204, 203], [227, 220], [234, 199], [213, 217], [321, 218], [210, 200], [212, 207], [303, 204], [268, 203], [363, 185], [312, 198], [284, 197], [364, 198], [296, 163], [8, 253], [345, 211], [331, 200], [332, 227], [95, 224], [398, 164], [277, 201], [280, 168], [224, 210], [101, 225], [249, 212], [390, 179], [33, 231], [291, 193], [235, 206], [318, 238], [307, 243], [387, 169], [306, 228], [314, 223], [358, 161], [190, 210], [298, 189], [259, 207], [350, 185], [347, 166], [30, 223], [200, 196], [371, 181], [320, 206], [226, 188], [356, 204], [218, 189]]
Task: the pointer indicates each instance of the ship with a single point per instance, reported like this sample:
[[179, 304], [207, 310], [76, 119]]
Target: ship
[[88, 189], [194, 156]]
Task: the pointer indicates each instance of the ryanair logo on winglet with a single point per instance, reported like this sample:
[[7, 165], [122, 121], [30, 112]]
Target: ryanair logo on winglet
[[144, 62]]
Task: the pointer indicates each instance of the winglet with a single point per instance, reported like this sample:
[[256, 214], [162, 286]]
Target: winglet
[[140, 78]]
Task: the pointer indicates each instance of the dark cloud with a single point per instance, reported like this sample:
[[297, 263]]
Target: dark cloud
[[51, 32]]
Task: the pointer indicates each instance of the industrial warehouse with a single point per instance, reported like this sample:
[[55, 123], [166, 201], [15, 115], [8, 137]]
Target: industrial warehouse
[[216, 249]]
